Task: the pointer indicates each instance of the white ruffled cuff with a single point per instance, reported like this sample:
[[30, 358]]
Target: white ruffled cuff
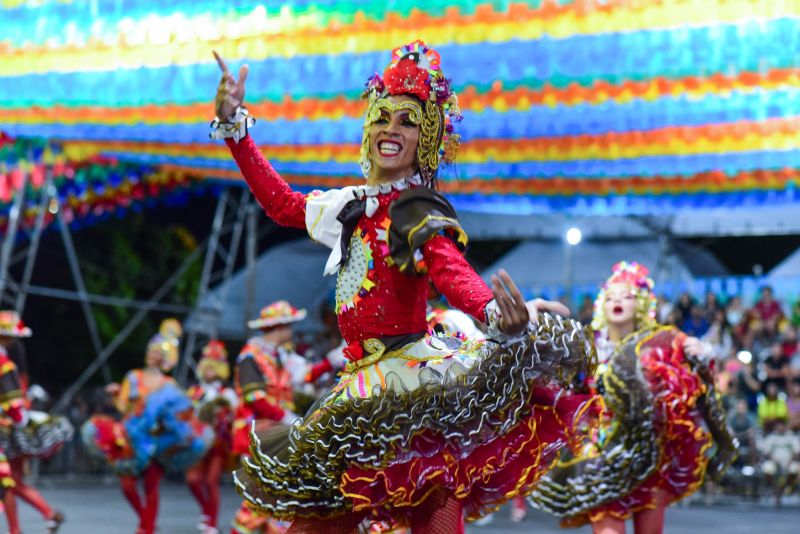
[[705, 358], [234, 128]]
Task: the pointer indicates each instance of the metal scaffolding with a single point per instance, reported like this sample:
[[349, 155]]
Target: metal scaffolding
[[229, 223], [235, 212]]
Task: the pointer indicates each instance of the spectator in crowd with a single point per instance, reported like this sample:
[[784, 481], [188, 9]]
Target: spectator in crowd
[[769, 313], [748, 386], [711, 305], [744, 331], [719, 336], [781, 450], [665, 309], [793, 406], [776, 367], [771, 408], [743, 425], [796, 313], [586, 310], [684, 307], [696, 325], [734, 312], [789, 342]]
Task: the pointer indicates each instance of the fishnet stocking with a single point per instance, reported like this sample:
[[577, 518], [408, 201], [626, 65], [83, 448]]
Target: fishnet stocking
[[441, 513], [345, 524]]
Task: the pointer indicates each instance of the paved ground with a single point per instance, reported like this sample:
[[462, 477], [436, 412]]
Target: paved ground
[[98, 508]]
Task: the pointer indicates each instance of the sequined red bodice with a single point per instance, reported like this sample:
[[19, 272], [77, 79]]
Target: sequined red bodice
[[374, 298]]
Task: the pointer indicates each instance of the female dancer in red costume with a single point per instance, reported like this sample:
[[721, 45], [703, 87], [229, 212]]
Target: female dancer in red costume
[[215, 403], [662, 416], [419, 429], [26, 433]]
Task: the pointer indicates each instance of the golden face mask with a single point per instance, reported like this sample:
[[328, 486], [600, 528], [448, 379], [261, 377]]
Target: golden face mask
[[385, 105]]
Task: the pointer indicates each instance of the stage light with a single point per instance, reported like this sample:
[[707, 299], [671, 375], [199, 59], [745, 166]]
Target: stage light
[[574, 236], [745, 356]]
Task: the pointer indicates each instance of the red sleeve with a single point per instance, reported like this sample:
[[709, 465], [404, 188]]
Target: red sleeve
[[317, 370], [455, 278], [284, 206], [265, 410]]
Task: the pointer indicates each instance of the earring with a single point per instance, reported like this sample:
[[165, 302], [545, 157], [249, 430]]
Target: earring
[[366, 165], [427, 174]]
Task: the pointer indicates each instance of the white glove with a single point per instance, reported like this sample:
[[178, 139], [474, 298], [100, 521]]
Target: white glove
[[337, 358], [37, 393]]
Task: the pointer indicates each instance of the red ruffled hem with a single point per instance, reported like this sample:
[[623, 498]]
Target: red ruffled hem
[[490, 475], [682, 465], [111, 439]]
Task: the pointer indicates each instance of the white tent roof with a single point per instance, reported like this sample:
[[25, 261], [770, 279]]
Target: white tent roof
[[290, 271], [770, 220], [539, 267], [788, 268]]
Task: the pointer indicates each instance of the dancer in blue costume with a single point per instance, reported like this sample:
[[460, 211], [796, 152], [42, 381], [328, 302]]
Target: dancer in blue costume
[[158, 431]]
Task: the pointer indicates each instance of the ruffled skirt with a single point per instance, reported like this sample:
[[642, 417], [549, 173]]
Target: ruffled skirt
[[106, 438], [42, 437], [654, 437], [481, 421], [166, 432]]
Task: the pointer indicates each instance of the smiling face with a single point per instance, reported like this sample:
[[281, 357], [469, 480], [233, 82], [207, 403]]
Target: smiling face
[[393, 139], [620, 304]]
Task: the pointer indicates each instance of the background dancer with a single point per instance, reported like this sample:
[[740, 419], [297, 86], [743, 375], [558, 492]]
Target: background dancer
[[158, 430], [215, 403], [652, 448], [36, 435], [264, 385]]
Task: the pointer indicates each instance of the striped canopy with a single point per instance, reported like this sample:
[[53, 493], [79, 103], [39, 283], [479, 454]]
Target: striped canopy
[[590, 106]]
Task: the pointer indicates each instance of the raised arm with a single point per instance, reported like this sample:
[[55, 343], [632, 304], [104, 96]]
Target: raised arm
[[282, 205]]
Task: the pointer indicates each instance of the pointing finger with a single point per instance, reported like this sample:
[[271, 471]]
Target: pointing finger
[[220, 62]]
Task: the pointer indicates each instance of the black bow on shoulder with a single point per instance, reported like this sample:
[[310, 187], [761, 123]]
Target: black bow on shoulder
[[349, 216]]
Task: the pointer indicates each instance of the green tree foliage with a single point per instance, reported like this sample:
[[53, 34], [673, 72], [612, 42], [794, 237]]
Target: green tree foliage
[[132, 258]]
